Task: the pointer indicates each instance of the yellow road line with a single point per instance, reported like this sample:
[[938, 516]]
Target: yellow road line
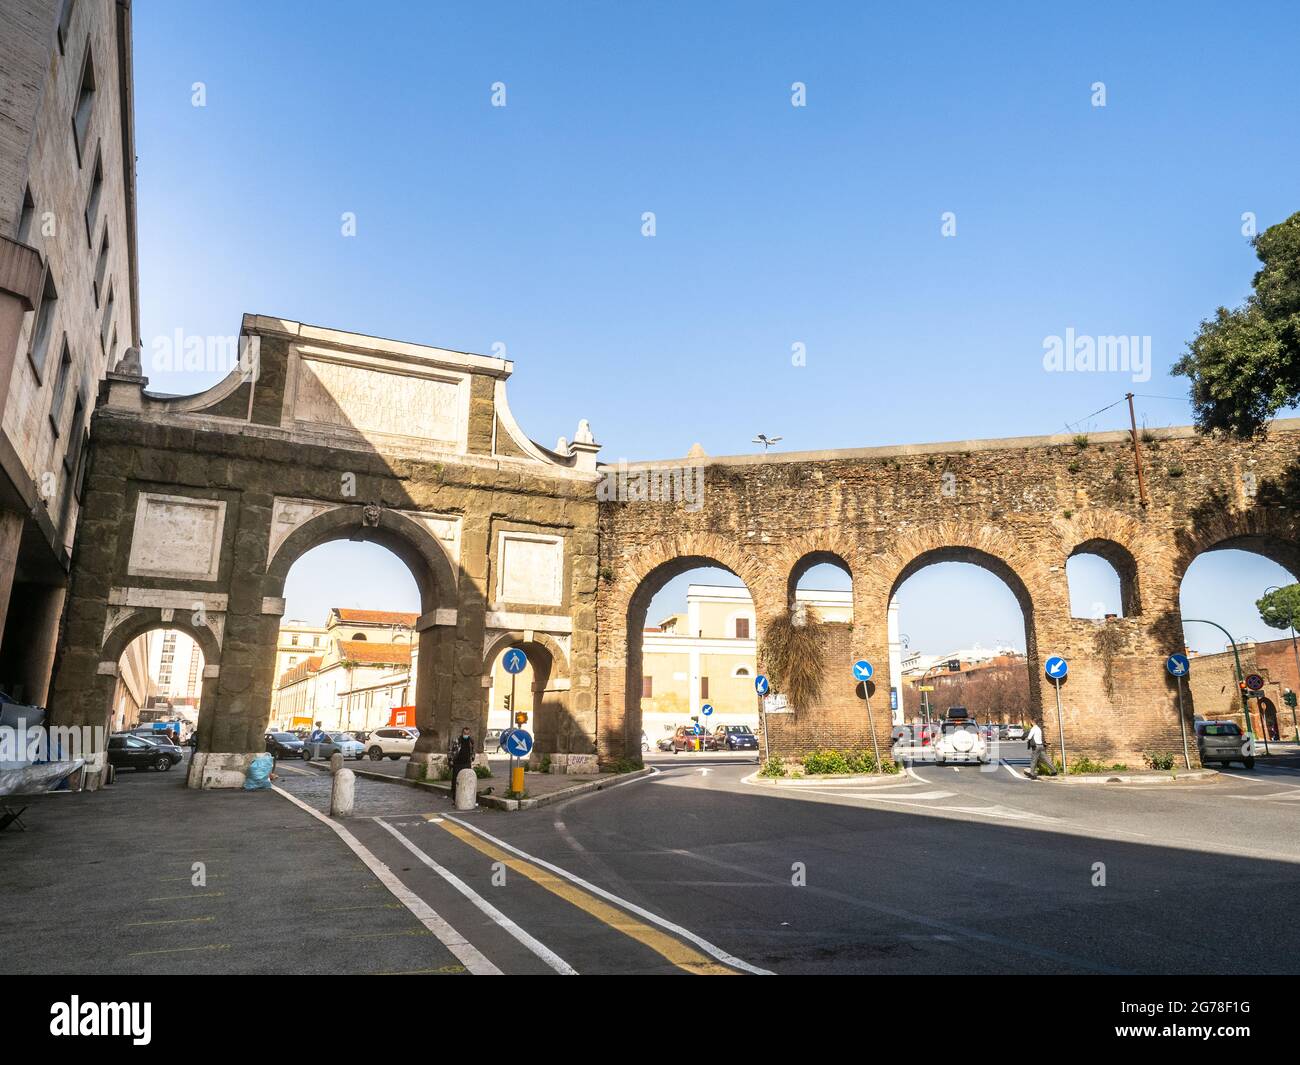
[[195, 895], [174, 920], [684, 957], [178, 950]]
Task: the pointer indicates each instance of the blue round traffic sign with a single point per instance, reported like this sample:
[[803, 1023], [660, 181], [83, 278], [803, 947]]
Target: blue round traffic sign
[[706, 709], [515, 660], [1255, 682], [761, 685], [1178, 665], [862, 670], [517, 742], [1056, 667]]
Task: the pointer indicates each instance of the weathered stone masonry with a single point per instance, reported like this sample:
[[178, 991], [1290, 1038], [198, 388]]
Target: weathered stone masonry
[[195, 509]]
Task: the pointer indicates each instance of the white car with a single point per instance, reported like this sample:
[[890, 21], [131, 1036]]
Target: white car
[[961, 743], [1015, 732], [391, 742]]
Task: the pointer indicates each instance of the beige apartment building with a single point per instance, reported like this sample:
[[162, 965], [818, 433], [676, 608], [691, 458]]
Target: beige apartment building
[[68, 295]]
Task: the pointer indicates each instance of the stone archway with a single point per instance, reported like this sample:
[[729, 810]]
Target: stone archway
[[557, 734], [131, 623], [435, 576], [622, 603]]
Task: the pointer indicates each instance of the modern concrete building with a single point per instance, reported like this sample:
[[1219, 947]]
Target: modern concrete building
[[68, 294]]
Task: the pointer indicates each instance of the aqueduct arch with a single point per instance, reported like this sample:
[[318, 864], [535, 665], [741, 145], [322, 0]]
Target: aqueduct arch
[[197, 506]]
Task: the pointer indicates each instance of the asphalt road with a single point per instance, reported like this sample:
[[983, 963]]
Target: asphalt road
[[694, 869]]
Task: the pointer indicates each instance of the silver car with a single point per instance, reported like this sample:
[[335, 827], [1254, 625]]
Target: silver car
[[343, 742]]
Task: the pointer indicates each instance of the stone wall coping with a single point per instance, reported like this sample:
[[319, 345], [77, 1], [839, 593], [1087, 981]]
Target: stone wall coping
[[1114, 436]]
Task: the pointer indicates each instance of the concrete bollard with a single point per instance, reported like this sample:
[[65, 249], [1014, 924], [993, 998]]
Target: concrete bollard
[[466, 790], [336, 761], [343, 793]]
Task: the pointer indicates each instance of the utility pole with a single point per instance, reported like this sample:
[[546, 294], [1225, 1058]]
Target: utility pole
[[1137, 451]]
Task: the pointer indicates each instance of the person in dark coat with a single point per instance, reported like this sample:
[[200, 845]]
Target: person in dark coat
[[462, 755]]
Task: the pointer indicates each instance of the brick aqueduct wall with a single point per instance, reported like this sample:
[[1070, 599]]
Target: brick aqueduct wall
[[1019, 507], [195, 508]]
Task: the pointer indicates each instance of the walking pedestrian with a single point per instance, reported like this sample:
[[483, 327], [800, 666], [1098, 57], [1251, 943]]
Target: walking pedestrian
[[1037, 753]]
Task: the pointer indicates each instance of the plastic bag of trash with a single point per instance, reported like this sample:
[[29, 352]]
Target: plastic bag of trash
[[259, 773]]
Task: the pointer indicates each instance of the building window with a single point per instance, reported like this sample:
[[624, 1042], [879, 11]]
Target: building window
[[293, 640], [742, 628], [358, 635], [101, 266], [647, 688], [28, 218], [93, 199], [85, 102], [704, 687], [65, 20], [315, 641], [61, 388], [44, 330], [741, 671], [108, 318]]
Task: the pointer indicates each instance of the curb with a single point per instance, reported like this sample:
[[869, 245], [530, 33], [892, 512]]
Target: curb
[[496, 802], [1197, 775], [878, 779]]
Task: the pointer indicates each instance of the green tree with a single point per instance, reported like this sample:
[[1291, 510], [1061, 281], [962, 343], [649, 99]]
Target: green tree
[[1244, 363], [1280, 606]]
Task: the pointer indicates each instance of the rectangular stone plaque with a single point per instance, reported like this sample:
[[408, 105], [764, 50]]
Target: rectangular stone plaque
[[177, 536], [530, 569]]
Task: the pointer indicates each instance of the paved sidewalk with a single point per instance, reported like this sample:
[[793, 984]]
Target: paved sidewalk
[[102, 883]]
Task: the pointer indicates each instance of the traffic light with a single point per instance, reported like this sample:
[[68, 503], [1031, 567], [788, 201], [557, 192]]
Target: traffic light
[[1288, 697], [521, 717], [507, 702]]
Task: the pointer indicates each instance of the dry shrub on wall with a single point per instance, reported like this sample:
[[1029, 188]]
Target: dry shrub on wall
[[794, 650]]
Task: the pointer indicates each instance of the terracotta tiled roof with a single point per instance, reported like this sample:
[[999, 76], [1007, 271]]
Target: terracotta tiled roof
[[375, 654], [376, 617], [300, 671]]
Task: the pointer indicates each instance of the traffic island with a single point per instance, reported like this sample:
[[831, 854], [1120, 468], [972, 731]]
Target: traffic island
[[1137, 776], [540, 789]]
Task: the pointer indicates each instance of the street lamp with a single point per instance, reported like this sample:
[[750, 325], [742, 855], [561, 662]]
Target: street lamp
[[1241, 677], [1295, 650]]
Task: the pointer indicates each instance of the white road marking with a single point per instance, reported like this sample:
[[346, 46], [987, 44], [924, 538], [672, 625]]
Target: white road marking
[[631, 907], [1019, 776], [500, 919], [462, 948]]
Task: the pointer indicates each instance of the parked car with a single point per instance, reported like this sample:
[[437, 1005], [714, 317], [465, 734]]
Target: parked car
[[960, 743], [391, 742], [492, 739], [684, 739], [343, 742], [735, 738], [284, 745], [665, 744], [1222, 741], [1013, 732], [645, 743], [128, 751]]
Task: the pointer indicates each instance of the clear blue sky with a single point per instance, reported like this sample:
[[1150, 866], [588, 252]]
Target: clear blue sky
[[776, 225]]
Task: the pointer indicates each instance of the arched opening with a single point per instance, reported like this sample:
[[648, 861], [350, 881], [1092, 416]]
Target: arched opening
[[967, 635], [159, 684], [345, 661], [821, 581], [1103, 582], [408, 596], [692, 647], [1227, 638], [540, 690], [158, 679]]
